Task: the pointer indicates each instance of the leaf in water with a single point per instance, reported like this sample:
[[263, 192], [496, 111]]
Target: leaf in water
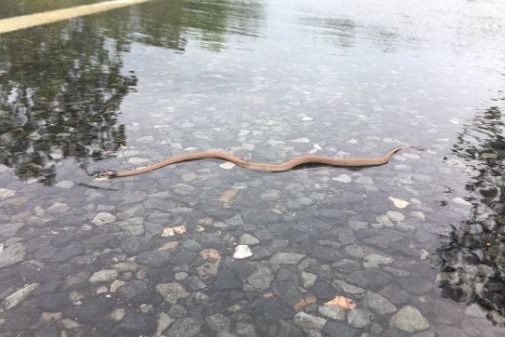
[[399, 203], [342, 302], [171, 231]]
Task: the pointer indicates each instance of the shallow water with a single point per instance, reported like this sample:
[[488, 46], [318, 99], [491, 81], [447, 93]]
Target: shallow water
[[417, 244]]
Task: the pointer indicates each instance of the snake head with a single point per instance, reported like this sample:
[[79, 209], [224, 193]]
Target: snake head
[[102, 175]]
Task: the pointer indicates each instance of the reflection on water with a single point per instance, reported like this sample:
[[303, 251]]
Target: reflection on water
[[60, 92], [473, 258]]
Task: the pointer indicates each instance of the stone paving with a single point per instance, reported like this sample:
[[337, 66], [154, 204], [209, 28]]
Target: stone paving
[[191, 259]]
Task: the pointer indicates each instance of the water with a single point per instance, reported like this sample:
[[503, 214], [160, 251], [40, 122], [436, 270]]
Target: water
[[267, 81]]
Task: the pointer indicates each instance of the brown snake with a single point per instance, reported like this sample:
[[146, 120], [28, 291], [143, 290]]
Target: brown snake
[[285, 166]]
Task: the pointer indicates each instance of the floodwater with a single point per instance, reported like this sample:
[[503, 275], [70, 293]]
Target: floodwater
[[205, 249]]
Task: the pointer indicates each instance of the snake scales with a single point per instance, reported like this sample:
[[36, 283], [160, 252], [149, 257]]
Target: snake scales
[[285, 166]]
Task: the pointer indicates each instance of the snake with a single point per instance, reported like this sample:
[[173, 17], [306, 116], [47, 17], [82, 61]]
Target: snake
[[265, 167]]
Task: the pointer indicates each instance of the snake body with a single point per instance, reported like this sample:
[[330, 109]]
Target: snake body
[[279, 167]]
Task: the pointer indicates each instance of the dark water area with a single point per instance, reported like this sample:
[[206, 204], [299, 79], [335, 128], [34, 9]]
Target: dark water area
[[206, 249]]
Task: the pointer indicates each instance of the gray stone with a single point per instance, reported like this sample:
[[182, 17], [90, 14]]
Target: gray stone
[[346, 266], [375, 260], [184, 327], [125, 266], [132, 289], [236, 221], [245, 330], [67, 253], [379, 304], [364, 180], [183, 189], [395, 294], [172, 292], [19, 296], [77, 279], [105, 275], [308, 279], [131, 211], [333, 312], [133, 226], [347, 287], [103, 218], [66, 184], [395, 216], [154, 258], [12, 255], [217, 322], [359, 318], [385, 221], [117, 314], [194, 283], [409, 319], [286, 258], [340, 329], [10, 229], [137, 324], [261, 278], [269, 195], [58, 208], [187, 177], [248, 239], [164, 321], [307, 321]]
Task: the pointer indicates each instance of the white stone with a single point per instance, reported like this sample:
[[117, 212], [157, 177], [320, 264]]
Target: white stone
[[399, 203], [6, 193], [343, 178], [461, 201], [300, 140], [242, 252], [227, 165]]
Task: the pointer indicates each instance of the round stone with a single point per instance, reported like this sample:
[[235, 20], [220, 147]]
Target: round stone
[[409, 319]]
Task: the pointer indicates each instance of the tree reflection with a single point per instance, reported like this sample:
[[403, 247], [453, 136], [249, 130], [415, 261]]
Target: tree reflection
[[170, 24], [473, 261], [60, 90]]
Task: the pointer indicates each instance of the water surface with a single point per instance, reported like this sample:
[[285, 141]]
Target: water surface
[[418, 240]]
